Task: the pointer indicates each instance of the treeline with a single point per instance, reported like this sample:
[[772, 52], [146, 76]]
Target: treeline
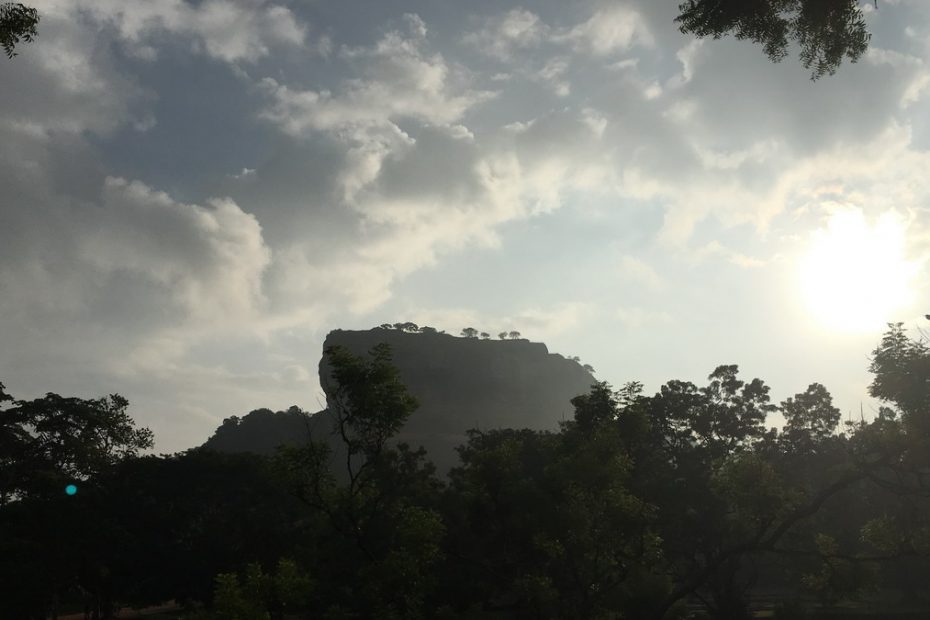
[[641, 507], [467, 332]]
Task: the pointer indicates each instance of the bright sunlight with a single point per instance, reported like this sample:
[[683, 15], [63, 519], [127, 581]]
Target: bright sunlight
[[855, 275]]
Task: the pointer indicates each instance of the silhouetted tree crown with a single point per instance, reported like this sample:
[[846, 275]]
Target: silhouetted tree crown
[[17, 23], [47, 441], [827, 31]]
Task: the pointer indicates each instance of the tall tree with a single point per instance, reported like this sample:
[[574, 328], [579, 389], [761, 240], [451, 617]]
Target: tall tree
[[48, 441], [47, 444], [383, 533]]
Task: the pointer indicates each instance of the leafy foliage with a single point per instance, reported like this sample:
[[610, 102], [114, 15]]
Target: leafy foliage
[[17, 23], [48, 441], [827, 31]]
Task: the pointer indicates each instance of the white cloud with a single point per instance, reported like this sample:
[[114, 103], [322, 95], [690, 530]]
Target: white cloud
[[68, 83], [637, 317], [228, 30], [501, 37], [399, 80], [717, 249], [641, 273], [609, 30], [208, 260]]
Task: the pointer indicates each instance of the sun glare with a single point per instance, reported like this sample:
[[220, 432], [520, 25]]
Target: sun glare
[[855, 275]]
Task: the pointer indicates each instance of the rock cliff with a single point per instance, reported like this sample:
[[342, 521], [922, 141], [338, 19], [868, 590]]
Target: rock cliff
[[461, 383]]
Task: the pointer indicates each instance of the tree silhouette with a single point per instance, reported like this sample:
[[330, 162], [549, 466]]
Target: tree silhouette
[[49, 441], [470, 332], [827, 31], [514, 335], [484, 335], [17, 23]]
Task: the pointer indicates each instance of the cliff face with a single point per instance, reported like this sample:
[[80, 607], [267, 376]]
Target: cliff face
[[465, 383]]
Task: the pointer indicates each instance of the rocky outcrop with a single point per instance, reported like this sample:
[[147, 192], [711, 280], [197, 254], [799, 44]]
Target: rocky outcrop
[[464, 383], [460, 383]]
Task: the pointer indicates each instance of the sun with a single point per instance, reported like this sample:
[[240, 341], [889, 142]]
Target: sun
[[855, 275]]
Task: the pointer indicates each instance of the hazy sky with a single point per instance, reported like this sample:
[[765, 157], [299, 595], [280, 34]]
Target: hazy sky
[[192, 194]]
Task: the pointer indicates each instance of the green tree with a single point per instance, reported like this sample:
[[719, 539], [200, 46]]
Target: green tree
[[46, 442], [382, 531], [17, 23], [827, 31], [810, 419], [261, 595], [544, 525]]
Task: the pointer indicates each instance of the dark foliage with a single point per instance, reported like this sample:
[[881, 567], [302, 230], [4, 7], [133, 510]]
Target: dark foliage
[[17, 23], [827, 31], [639, 507]]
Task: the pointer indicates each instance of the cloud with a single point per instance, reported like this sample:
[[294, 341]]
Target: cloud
[[228, 30], [399, 79], [609, 30], [69, 83], [717, 249], [209, 260], [501, 37], [637, 317], [641, 273]]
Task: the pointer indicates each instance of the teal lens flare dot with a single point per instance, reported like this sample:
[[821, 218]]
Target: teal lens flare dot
[[71, 489]]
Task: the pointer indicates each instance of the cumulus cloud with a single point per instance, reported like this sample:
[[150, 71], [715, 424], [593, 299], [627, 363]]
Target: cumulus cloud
[[640, 273], [637, 317], [209, 260], [228, 30], [609, 30], [399, 79], [500, 37], [69, 83]]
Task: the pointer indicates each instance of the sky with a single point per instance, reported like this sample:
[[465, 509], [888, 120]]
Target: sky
[[194, 193]]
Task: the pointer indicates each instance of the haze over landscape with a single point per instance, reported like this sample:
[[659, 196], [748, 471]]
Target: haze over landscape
[[195, 194]]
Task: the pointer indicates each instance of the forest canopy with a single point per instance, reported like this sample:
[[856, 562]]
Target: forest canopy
[[640, 506]]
